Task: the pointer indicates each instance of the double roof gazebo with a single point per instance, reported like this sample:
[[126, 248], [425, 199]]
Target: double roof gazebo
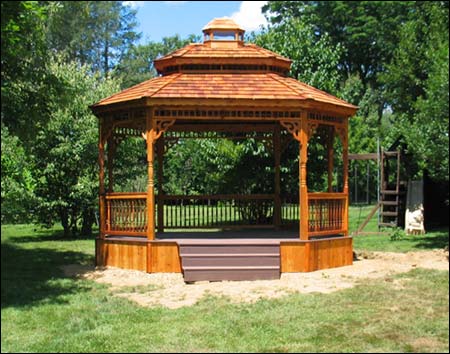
[[226, 88]]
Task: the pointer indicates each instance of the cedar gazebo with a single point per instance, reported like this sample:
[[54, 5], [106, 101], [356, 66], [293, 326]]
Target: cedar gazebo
[[223, 87]]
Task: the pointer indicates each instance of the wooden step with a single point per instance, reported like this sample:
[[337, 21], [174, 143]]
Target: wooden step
[[215, 260], [209, 274], [227, 249], [229, 260]]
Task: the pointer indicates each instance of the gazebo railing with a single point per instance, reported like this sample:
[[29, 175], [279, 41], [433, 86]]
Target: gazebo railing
[[126, 213], [327, 213], [210, 211]]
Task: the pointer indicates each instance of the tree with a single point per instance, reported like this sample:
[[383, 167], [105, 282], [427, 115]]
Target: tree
[[366, 30], [417, 88], [99, 35], [137, 64], [23, 60], [66, 149], [17, 185], [314, 60]]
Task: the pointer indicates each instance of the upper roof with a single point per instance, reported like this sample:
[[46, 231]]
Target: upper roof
[[227, 69], [201, 54]]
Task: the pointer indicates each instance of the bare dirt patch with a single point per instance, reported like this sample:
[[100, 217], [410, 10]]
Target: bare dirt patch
[[169, 289]]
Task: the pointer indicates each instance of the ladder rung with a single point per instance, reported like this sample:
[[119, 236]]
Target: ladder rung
[[387, 224], [389, 191], [391, 153], [389, 202], [389, 213]]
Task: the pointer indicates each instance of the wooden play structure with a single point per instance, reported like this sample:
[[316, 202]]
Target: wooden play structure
[[233, 90]]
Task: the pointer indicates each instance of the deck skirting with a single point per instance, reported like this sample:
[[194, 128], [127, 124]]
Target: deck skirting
[[163, 256]]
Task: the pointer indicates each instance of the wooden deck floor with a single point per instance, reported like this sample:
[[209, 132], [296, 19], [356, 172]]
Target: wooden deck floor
[[253, 234]]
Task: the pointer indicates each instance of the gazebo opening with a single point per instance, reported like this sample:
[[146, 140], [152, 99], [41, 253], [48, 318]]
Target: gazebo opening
[[225, 90]]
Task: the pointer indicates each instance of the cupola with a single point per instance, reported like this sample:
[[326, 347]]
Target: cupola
[[223, 33]]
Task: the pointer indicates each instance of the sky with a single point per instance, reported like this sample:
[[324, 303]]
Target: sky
[[158, 19]]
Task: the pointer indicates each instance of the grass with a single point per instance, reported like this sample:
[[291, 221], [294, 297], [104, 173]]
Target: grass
[[44, 311], [437, 238]]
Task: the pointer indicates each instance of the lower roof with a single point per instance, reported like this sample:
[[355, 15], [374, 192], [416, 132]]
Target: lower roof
[[257, 86]]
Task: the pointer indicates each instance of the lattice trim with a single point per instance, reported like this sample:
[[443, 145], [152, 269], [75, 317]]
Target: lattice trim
[[183, 113], [324, 117]]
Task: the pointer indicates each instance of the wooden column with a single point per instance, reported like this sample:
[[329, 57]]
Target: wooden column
[[160, 157], [150, 137], [277, 162], [330, 155], [303, 189], [343, 132], [112, 145], [101, 175]]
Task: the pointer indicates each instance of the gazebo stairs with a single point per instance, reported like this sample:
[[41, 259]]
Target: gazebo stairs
[[215, 260]]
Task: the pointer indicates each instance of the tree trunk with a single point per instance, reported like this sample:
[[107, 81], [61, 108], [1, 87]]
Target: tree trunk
[[65, 223], [88, 220]]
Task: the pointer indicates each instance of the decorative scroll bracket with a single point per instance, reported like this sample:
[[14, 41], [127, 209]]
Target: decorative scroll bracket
[[292, 127], [161, 127]]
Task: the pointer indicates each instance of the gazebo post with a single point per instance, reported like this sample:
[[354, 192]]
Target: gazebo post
[[101, 175], [160, 157], [303, 192], [330, 155], [150, 136], [112, 146], [344, 137], [277, 189]]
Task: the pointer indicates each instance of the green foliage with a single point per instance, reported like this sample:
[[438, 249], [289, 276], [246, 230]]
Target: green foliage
[[366, 30], [17, 185], [314, 59], [99, 35], [66, 169], [199, 166], [396, 234], [393, 64], [137, 63], [23, 72], [417, 86]]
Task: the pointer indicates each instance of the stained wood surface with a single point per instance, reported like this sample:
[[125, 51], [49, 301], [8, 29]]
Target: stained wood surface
[[122, 254], [316, 254], [164, 257]]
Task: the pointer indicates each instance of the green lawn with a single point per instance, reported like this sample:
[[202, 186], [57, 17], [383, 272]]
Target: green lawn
[[44, 311]]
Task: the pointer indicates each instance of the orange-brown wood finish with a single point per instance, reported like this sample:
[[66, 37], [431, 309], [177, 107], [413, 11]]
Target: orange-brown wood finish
[[314, 255], [101, 176], [303, 188], [330, 155], [150, 138], [160, 199], [164, 257], [277, 162], [125, 255]]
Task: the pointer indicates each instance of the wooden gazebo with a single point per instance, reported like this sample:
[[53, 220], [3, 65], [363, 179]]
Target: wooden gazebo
[[223, 87]]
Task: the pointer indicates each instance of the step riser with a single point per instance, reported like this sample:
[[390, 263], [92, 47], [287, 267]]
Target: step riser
[[240, 274], [229, 249], [230, 261], [244, 261]]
